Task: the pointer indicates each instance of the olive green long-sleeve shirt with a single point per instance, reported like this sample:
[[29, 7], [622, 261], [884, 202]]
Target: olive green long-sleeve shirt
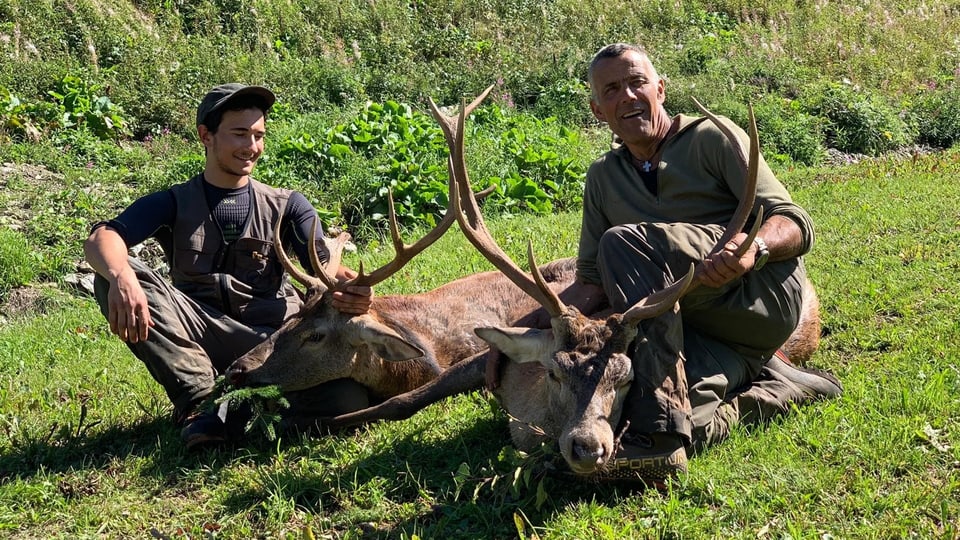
[[700, 180]]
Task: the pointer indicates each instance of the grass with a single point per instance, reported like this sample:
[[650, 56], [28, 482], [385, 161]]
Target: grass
[[87, 449]]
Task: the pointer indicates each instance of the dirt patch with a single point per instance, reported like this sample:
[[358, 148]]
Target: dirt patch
[[22, 302], [17, 182], [26, 172]]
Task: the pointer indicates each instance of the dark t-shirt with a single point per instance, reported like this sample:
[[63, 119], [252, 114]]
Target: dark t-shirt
[[153, 216]]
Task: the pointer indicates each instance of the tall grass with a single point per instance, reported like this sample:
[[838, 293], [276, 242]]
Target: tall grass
[[157, 58]]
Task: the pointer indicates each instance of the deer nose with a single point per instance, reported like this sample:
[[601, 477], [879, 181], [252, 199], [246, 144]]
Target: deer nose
[[593, 453]]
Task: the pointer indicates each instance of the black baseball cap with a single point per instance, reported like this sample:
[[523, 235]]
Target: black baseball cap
[[223, 94]]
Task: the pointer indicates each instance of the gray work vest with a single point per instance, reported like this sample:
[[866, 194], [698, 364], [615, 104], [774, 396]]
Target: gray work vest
[[244, 280]]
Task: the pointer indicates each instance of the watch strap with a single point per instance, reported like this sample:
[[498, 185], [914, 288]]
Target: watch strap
[[763, 253]]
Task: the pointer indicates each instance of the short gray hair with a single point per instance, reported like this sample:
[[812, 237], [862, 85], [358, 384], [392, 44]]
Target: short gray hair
[[613, 50]]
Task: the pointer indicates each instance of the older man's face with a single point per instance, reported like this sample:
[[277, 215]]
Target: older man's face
[[627, 95]]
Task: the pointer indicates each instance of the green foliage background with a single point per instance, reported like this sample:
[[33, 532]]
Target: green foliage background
[[105, 92], [155, 58]]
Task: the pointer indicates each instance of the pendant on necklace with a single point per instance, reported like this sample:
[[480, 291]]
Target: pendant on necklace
[[646, 166]]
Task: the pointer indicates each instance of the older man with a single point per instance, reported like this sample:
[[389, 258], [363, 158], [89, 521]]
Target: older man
[[653, 205]]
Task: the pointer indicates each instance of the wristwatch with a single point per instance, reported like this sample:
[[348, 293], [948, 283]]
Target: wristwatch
[[763, 254]]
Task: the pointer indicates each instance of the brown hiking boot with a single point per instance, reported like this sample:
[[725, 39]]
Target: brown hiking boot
[[203, 430], [650, 458], [208, 429]]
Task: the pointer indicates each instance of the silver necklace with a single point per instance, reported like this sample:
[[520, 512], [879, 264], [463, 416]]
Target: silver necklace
[[647, 164]]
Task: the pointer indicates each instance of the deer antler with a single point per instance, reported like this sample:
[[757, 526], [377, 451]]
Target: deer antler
[[323, 280], [751, 169], [403, 253], [464, 206], [326, 273], [660, 301]]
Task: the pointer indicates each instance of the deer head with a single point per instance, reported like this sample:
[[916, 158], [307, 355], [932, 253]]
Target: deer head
[[319, 343], [568, 382]]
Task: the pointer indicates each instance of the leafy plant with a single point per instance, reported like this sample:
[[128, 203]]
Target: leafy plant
[[513, 474], [712, 33], [27, 119], [405, 148], [263, 404], [787, 133], [545, 170], [537, 165], [567, 100], [516, 192], [84, 107], [311, 159]]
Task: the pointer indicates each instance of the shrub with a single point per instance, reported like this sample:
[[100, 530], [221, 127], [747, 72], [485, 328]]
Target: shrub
[[787, 133], [936, 113], [544, 171], [858, 120], [567, 100], [537, 165], [710, 36], [399, 149], [27, 120]]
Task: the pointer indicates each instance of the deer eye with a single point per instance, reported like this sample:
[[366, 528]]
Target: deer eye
[[316, 336], [553, 376]]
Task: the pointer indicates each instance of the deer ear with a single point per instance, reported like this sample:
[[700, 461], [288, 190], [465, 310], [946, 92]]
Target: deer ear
[[520, 344], [384, 341]]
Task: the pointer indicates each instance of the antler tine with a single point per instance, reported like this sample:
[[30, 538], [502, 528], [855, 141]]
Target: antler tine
[[465, 111], [448, 123], [659, 301], [467, 211], [751, 171], [551, 302], [403, 253], [333, 262], [295, 272]]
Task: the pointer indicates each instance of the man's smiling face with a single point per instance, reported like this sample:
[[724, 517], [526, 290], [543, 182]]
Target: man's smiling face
[[234, 149], [628, 95]]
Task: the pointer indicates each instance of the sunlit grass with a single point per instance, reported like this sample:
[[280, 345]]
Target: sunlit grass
[[87, 447]]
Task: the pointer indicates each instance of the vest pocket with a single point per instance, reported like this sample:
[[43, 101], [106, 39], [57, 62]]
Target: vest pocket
[[255, 263], [191, 259]]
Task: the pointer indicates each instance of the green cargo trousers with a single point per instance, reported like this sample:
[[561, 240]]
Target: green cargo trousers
[[191, 343], [690, 361]]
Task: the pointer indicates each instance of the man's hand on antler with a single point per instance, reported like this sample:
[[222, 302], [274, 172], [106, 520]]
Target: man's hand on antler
[[353, 299], [491, 374], [725, 266]]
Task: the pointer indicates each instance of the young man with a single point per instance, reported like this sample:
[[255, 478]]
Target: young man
[[652, 206], [227, 292]]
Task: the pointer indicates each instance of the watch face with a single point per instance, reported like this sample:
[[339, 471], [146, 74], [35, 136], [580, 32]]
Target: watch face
[[762, 254]]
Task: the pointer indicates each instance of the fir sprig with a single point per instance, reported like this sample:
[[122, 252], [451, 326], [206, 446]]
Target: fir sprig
[[265, 404]]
